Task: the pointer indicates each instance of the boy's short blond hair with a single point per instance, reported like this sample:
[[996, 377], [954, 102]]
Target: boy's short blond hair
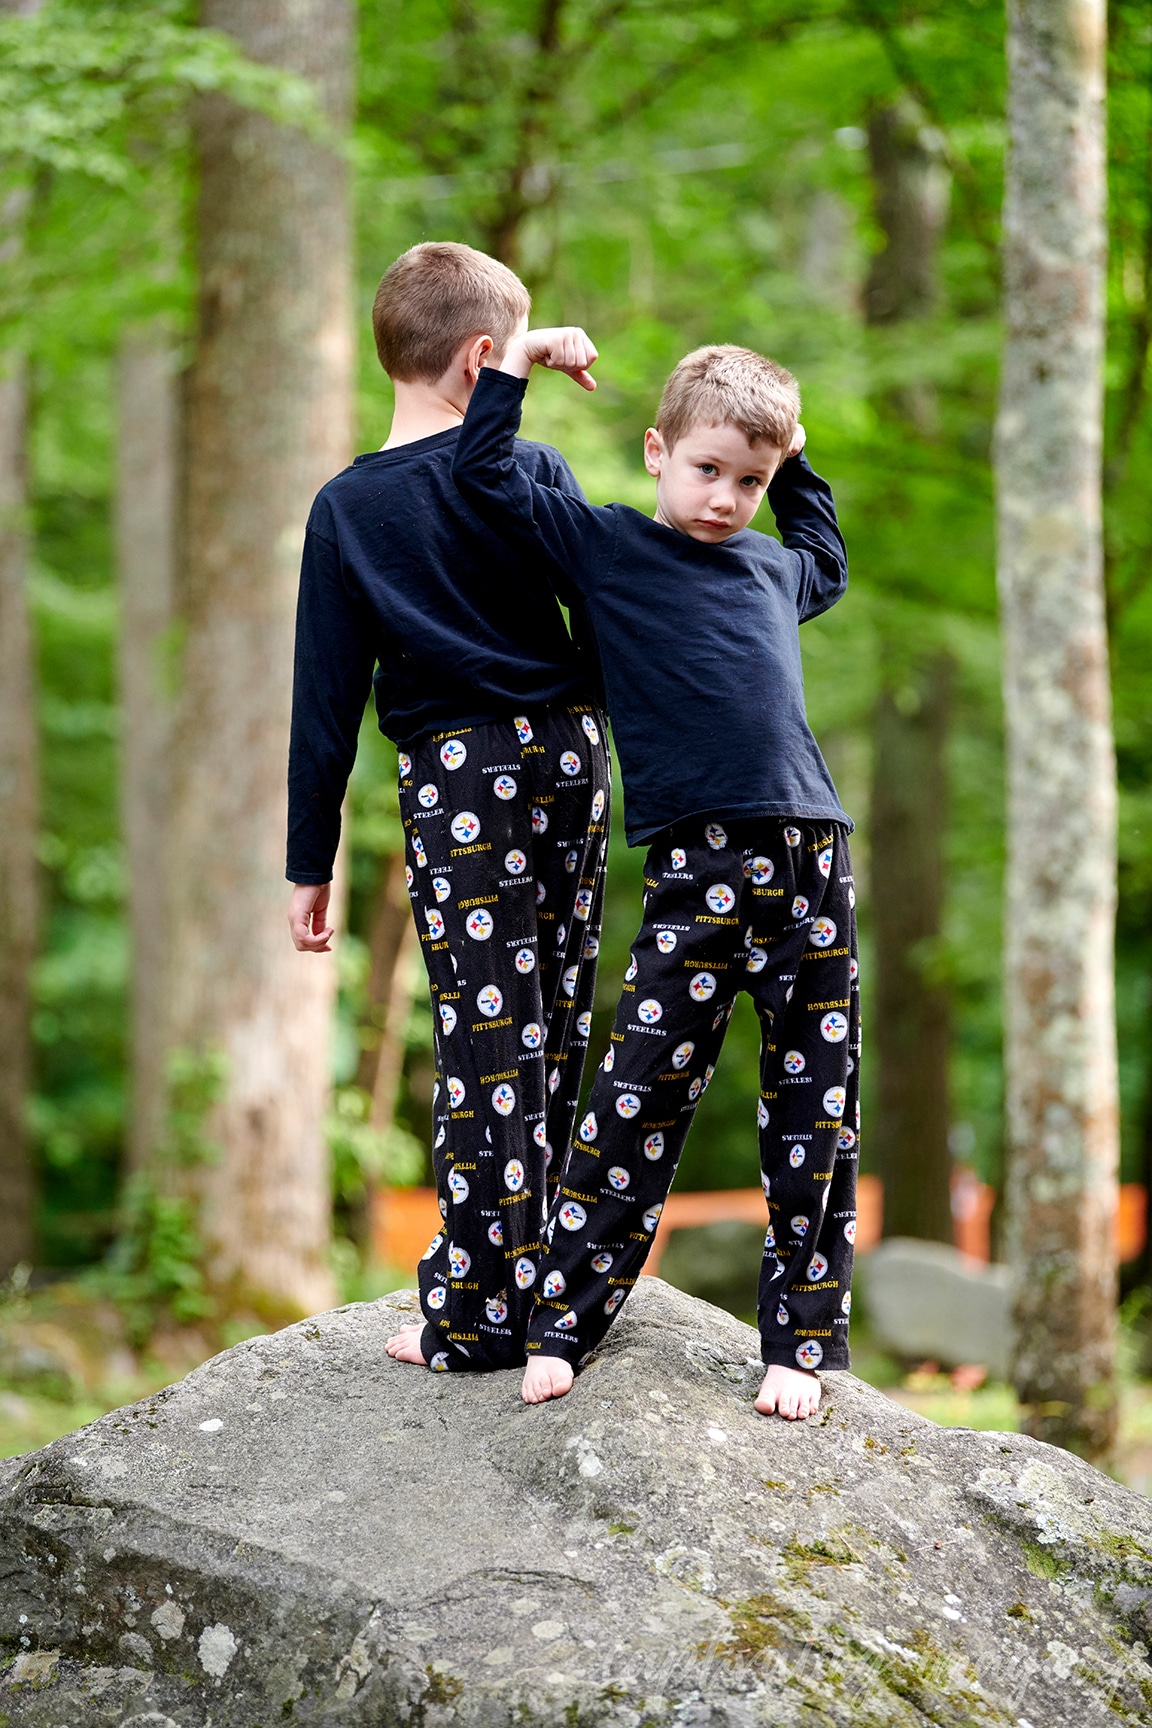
[[730, 386], [433, 298]]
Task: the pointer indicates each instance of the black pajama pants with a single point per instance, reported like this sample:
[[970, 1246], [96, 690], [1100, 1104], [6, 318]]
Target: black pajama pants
[[506, 830], [767, 906]]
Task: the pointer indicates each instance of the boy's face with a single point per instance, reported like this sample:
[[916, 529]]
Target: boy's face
[[709, 485]]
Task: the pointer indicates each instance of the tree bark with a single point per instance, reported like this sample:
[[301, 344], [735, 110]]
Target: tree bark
[[911, 1036], [268, 422], [1061, 878], [147, 460], [909, 1137], [18, 827]]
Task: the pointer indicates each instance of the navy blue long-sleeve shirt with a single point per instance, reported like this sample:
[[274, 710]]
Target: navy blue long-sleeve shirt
[[461, 626], [699, 643]]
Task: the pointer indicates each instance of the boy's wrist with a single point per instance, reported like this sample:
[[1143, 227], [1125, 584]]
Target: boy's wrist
[[516, 362]]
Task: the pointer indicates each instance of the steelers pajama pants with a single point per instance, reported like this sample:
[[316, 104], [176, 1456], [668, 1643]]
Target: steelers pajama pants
[[767, 906], [506, 830]]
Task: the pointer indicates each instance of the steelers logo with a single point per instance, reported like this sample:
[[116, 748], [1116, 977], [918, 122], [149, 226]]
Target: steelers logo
[[649, 1011], [456, 1092], [823, 933], [409, 877], [846, 1302], [834, 1027], [441, 888], [762, 1117], [515, 862], [439, 1362], [853, 970], [782, 1315], [572, 1215], [799, 907], [523, 730], [591, 947], [430, 1251], [852, 898], [404, 763], [652, 1217], [539, 1133], [465, 827], [654, 1148], [504, 787], [435, 1091], [428, 795], [613, 1301], [547, 1163], [496, 1309], [695, 1090], [541, 893], [459, 1260], [845, 1140], [766, 1185], [496, 1234], [584, 1023], [666, 941], [453, 753], [443, 1205], [618, 1177], [824, 861], [597, 805], [570, 980], [437, 1297], [525, 1273], [514, 1175], [591, 729], [435, 922], [682, 1054], [628, 1105], [609, 1061], [490, 1001], [715, 836], [525, 961], [539, 820], [554, 1285], [799, 1224], [702, 987], [761, 871], [418, 849], [583, 905], [531, 1036], [792, 836], [443, 1134], [589, 1128], [810, 1354], [447, 1017], [601, 1262], [679, 858], [757, 960], [796, 1157], [504, 1101], [479, 925], [553, 1079], [720, 898], [458, 1185], [769, 1238], [794, 1062], [850, 1231], [834, 1101], [632, 970], [817, 1267], [570, 762]]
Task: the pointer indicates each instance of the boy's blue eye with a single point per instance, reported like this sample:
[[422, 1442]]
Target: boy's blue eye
[[750, 480], [707, 468]]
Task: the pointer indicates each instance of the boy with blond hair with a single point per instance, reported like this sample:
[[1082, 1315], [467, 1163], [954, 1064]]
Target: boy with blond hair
[[748, 880], [504, 781]]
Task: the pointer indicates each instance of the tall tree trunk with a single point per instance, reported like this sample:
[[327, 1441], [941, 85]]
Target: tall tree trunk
[[911, 1027], [18, 826], [1061, 887], [268, 422], [145, 531], [909, 1137]]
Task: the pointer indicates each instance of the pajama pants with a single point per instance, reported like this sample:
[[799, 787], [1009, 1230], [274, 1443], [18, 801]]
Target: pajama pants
[[767, 906], [506, 831]]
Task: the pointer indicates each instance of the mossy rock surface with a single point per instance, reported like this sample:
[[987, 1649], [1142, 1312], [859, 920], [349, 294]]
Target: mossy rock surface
[[304, 1531]]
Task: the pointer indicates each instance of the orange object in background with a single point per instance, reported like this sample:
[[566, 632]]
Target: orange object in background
[[1131, 1222], [972, 1203], [403, 1222]]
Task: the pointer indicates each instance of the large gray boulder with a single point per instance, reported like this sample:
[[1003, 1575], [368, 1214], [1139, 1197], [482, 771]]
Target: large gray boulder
[[927, 1301], [304, 1531]]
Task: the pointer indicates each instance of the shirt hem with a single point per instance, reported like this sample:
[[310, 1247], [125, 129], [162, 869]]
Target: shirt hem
[[739, 813]]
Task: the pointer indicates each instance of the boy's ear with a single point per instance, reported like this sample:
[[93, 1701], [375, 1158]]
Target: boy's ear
[[654, 451], [479, 351]]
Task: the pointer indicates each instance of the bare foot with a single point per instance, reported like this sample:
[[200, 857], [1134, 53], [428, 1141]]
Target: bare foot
[[546, 1377], [790, 1392], [405, 1345]]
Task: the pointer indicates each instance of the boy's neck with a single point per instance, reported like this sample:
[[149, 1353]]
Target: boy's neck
[[422, 410]]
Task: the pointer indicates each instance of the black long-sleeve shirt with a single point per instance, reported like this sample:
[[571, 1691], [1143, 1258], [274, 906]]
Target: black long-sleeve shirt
[[463, 627], [699, 643]]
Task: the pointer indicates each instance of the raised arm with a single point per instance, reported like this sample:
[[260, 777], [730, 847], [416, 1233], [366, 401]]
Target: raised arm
[[806, 517]]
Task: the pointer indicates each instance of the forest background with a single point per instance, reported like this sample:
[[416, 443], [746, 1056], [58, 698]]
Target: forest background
[[821, 182]]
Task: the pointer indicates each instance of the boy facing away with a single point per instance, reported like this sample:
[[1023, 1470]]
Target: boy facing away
[[504, 781], [748, 880]]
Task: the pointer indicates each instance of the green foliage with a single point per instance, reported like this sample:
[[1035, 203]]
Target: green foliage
[[156, 1263], [362, 1154], [196, 1080]]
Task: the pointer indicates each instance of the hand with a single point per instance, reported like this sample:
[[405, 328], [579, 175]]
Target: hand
[[799, 438], [564, 349], [308, 918]]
